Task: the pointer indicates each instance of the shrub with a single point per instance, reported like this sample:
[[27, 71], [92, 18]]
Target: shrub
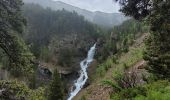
[[66, 56], [128, 93], [159, 90], [14, 90]]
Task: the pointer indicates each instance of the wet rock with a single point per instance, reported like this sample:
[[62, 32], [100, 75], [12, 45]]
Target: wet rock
[[44, 72], [87, 83]]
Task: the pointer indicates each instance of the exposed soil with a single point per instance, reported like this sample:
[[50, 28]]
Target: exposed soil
[[97, 91]]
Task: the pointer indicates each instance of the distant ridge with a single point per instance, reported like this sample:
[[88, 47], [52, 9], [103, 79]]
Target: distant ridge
[[107, 20]]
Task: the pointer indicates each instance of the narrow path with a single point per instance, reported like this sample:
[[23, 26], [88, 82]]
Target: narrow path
[[96, 91]]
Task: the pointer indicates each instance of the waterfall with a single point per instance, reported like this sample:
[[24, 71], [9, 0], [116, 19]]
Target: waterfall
[[79, 83]]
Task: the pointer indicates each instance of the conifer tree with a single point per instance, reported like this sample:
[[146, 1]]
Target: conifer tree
[[11, 26], [157, 13], [56, 88]]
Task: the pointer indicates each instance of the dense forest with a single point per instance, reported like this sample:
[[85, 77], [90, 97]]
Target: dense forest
[[120, 38], [42, 52], [153, 83], [45, 24]]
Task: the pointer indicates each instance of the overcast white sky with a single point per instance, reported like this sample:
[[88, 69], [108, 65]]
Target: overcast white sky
[[94, 5]]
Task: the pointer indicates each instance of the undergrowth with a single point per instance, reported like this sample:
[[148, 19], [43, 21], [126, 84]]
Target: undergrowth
[[120, 63]]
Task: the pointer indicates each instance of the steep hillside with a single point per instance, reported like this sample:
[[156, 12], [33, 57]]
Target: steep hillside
[[58, 36], [107, 20], [132, 59]]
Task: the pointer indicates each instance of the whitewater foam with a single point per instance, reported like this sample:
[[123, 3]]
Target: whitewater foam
[[80, 82]]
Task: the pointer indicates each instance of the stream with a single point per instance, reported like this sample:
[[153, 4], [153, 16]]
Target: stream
[[80, 82]]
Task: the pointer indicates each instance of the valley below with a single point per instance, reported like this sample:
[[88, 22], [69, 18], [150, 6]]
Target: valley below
[[57, 50]]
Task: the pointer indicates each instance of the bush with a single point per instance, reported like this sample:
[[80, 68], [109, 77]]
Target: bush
[[128, 93], [104, 67], [159, 90], [14, 90]]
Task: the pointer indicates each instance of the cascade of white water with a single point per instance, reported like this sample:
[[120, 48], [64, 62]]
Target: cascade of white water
[[79, 83]]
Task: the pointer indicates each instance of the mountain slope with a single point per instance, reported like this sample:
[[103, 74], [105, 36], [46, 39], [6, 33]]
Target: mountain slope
[[100, 18], [96, 90]]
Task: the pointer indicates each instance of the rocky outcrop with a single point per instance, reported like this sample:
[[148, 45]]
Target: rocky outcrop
[[68, 50]]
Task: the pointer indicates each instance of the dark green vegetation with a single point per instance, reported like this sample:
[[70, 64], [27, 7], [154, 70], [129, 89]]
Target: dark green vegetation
[[13, 90], [156, 85], [154, 91], [157, 13], [16, 54], [105, 20], [157, 53], [55, 37], [120, 38], [11, 27], [58, 35], [43, 24], [56, 88], [61, 39], [158, 47]]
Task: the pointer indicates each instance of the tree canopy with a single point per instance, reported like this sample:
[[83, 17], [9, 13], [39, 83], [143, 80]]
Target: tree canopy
[[11, 25], [157, 13], [137, 8]]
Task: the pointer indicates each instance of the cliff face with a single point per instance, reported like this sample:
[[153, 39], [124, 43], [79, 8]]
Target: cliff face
[[59, 38], [68, 50]]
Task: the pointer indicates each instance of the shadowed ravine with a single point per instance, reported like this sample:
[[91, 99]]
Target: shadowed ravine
[[79, 83]]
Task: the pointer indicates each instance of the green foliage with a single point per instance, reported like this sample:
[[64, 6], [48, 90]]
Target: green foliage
[[38, 94], [112, 84], [56, 89], [123, 82], [83, 98], [137, 8], [121, 38], [66, 56], [12, 23], [103, 68], [13, 90], [4, 61], [44, 54], [21, 65], [128, 32], [158, 48], [133, 56], [109, 48], [128, 94], [154, 91], [11, 17], [157, 53], [159, 90], [44, 24]]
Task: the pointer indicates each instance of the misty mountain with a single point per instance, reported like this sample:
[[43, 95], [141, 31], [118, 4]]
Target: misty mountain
[[100, 18]]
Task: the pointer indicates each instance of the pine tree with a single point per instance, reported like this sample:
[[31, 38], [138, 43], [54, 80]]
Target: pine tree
[[158, 45], [11, 26], [56, 88], [157, 13]]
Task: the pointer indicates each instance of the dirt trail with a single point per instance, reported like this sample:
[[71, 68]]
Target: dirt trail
[[96, 91]]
